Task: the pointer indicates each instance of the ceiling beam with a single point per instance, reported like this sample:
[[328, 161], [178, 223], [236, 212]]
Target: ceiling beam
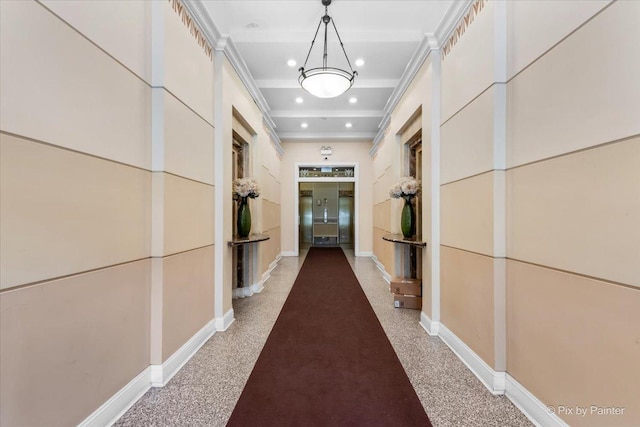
[[360, 84], [367, 136], [326, 113], [305, 37]]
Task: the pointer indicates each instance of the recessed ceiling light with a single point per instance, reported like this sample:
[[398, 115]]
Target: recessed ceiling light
[[359, 62], [304, 125], [348, 125], [299, 100], [353, 100], [291, 63]]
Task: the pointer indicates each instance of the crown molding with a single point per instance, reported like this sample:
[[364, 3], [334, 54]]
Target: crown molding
[[223, 42], [429, 42], [273, 136], [378, 139], [451, 18], [416, 61], [204, 21]]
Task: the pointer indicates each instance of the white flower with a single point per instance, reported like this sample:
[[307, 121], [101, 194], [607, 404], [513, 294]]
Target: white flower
[[395, 191], [406, 186], [246, 187]]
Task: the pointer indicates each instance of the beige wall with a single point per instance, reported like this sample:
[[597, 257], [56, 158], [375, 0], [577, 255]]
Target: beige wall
[[102, 178], [573, 206], [309, 151], [68, 345], [75, 215]]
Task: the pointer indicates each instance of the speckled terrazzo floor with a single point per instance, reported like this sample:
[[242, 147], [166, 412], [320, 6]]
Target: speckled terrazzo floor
[[205, 391]]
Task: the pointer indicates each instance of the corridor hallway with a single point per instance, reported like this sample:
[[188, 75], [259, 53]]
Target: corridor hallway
[[205, 391]]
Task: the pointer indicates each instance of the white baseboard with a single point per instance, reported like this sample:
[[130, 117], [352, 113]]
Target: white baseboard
[[386, 276], [223, 323], [533, 408], [114, 408], [289, 253], [429, 325], [494, 381], [161, 374], [267, 274], [364, 254], [153, 376]]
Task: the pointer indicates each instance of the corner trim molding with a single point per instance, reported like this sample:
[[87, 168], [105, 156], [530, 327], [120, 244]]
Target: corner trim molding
[[223, 323], [161, 374], [109, 412], [432, 328]]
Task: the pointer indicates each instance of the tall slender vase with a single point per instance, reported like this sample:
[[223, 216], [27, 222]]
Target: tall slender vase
[[244, 218], [408, 219]]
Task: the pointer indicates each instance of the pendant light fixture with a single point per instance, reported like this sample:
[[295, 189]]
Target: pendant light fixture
[[325, 81]]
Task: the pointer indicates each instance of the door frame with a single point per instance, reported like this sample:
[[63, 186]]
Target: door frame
[[356, 195]]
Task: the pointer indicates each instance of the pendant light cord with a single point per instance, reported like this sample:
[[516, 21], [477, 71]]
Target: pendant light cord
[[326, 19], [355, 73]]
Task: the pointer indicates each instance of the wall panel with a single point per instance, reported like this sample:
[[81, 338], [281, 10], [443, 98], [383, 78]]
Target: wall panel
[[468, 69], [579, 212], [82, 98], [121, 28], [573, 341], [188, 214], [64, 212], [466, 141], [188, 70], [466, 301], [535, 26], [595, 97], [467, 214], [189, 142], [67, 346], [188, 294]]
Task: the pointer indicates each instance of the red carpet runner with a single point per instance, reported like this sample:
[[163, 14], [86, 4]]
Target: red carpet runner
[[327, 361]]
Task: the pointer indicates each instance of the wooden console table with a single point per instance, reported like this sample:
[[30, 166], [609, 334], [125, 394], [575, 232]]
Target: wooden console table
[[399, 238], [252, 238]]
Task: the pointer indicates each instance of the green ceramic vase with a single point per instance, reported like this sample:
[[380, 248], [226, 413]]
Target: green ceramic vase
[[408, 219], [244, 218]]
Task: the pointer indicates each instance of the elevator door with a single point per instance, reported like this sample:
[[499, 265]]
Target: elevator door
[[306, 220], [345, 213]]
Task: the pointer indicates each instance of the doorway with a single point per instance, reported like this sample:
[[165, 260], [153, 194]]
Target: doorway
[[326, 214], [327, 206]]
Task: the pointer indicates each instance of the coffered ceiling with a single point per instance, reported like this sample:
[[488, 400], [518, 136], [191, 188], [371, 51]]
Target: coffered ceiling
[[386, 35]]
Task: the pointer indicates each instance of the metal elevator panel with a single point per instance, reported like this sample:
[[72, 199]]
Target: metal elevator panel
[[306, 220]]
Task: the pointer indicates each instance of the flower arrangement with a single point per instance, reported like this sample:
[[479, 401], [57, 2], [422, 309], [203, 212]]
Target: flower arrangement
[[245, 187], [406, 188]]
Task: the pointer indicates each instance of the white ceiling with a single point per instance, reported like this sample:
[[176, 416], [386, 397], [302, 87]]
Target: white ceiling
[[385, 34]]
